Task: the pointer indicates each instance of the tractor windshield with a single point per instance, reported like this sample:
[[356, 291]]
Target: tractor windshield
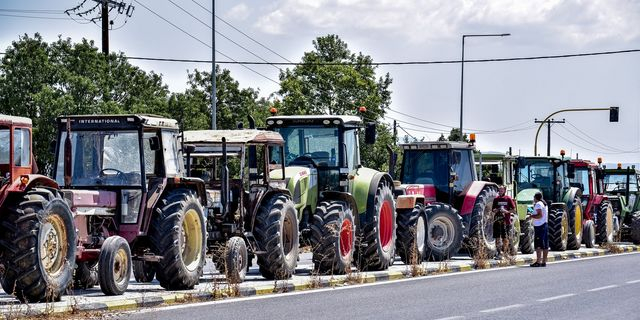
[[537, 174], [426, 167], [320, 144], [581, 180], [102, 158], [618, 183]]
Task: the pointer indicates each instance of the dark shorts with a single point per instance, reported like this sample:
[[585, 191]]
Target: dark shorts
[[500, 230], [541, 240]]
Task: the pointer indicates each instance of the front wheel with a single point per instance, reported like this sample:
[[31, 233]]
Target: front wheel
[[333, 237], [481, 241], [604, 223], [235, 260], [589, 231], [558, 229], [376, 249], [444, 231], [114, 266], [412, 234], [38, 239]]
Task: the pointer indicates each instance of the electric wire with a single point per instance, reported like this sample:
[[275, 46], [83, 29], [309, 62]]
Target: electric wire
[[588, 149], [593, 140]]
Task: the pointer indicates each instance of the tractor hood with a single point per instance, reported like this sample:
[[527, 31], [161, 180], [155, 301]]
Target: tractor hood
[[427, 190], [299, 181], [524, 201]]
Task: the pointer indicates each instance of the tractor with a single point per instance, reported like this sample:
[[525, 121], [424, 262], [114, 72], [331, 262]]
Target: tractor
[[549, 175], [441, 204], [123, 176], [346, 211], [623, 187], [598, 218], [249, 212], [37, 238]]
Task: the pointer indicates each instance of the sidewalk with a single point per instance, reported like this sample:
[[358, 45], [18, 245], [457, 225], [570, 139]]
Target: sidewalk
[[212, 285]]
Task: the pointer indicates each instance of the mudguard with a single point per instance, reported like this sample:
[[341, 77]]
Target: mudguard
[[364, 186], [469, 195], [302, 183], [340, 196], [571, 194], [35, 180]]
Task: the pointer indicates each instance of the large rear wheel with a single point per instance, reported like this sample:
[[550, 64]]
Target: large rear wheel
[[558, 229], [635, 228], [444, 231], [376, 249], [481, 227], [604, 223], [574, 238], [412, 234], [276, 231], [332, 237], [178, 235], [38, 239]]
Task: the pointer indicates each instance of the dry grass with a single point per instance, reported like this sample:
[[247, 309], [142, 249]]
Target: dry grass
[[611, 247], [479, 254]]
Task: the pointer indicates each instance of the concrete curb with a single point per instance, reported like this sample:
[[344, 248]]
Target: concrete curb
[[286, 286]]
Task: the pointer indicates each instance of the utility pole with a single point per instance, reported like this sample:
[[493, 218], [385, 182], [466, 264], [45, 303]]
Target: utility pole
[[95, 10], [213, 65], [104, 10], [549, 122], [395, 132]]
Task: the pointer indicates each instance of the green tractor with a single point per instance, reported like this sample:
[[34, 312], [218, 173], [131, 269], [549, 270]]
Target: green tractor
[[548, 175], [345, 211], [623, 187]]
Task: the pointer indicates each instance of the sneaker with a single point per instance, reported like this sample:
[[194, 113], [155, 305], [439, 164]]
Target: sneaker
[[535, 264], [544, 264]]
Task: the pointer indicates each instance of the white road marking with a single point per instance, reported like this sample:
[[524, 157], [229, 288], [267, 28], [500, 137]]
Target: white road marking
[[513, 306], [452, 318], [557, 297], [603, 288], [633, 281]]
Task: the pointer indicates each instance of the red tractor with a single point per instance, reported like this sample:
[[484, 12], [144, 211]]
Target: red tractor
[[441, 204], [37, 237], [598, 221]]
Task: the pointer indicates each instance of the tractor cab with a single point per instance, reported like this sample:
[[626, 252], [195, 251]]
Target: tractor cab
[[588, 177], [15, 149], [444, 168], [546, 174], [622, 186]]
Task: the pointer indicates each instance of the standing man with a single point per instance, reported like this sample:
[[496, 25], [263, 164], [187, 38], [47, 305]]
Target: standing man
[[503, 207], [541, 240]]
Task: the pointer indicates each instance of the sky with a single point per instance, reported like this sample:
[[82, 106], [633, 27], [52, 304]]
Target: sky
[[501, 99]]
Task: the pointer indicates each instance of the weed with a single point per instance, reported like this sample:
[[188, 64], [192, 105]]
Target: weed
[[612, 248]]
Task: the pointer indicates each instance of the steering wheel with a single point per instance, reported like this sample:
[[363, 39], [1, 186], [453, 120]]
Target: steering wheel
[[303, 160], [536, 176], [119, 174]]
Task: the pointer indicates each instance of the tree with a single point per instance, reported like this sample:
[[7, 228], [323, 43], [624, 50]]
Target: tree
[[333, 80], [43, 81], [454, 135]]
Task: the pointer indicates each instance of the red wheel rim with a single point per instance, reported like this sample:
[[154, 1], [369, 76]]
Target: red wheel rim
[[386, 225], [346, 238]]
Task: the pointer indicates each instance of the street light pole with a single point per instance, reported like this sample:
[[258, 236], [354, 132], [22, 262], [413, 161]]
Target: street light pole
[[462, 72]]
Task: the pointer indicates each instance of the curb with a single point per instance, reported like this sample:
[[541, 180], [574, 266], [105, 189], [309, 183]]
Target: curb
[[286, 286]]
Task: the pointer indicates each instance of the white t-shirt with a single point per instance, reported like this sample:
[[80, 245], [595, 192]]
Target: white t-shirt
[[545, 214]]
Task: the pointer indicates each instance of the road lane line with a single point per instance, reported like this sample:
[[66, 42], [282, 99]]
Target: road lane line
[[452, 318], [513, 306], [557, 297], [633, 281], [603, 288]]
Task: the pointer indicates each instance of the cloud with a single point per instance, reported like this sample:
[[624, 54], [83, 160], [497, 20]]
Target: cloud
[[238, 12], [577, 21]]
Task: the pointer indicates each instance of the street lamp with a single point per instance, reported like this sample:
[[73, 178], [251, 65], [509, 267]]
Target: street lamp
[[462, 70]]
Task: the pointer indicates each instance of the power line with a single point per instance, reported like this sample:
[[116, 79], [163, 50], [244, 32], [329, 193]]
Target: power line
[[588, 149], [202, 42], [222, 35], [591, 142], [36, 11], [602, 145], [409, 134], [511, 128], [32, 17]]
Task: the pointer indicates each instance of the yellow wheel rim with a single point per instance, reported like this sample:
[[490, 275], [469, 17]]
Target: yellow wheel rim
[[578, 221], [120, 266], [53, 247], [565, 228], [191, 242]]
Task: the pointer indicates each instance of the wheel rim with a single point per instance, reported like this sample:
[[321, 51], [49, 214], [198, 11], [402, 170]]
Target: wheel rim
[[53, 250], [346, 238], [386, 225], [120, 266], [287, 233], [565, 229], [441, 233], [420, 234], [191, 240], [578, 221]]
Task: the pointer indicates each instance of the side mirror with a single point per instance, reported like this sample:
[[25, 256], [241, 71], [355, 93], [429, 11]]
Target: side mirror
[[571, 172], [189, 148], [154, 143], [370, 133], [52, 147]]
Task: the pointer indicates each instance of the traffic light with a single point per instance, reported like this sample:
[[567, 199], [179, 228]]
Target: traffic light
[[613, 114]]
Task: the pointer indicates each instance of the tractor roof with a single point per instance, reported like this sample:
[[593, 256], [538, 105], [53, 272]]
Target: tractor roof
[[143, 119], [428, 145], [8, 120], [246, 136], [583, 163], [622, 170], [541, 158], [348, 121]]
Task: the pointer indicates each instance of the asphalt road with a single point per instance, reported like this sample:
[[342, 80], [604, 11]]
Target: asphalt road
[[599, 288]]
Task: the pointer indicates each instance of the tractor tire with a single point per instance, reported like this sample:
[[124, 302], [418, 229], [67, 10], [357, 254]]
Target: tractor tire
[[376, 249], [86, 275], [527, 236], [514, 235], [276, 232], [574, 237], [635, 228], [411, 234], [143, 271], [444, 231], [558, 229], [178, 234], [114, 266], [604, 223], [38, 239], [589, 234], [235, 260], [481, 226], [333, 237]]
